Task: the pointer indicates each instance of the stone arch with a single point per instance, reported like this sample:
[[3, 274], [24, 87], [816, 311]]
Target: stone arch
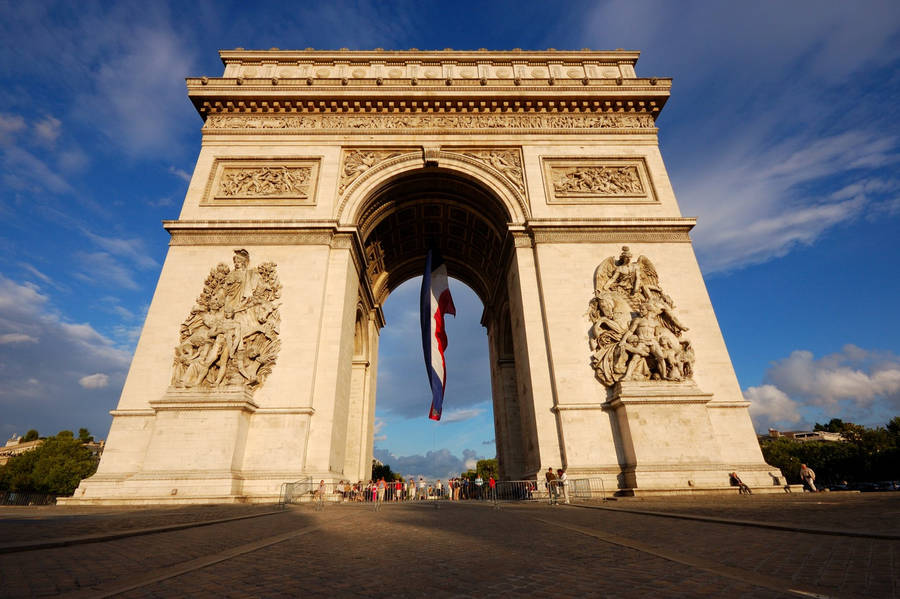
[[367, 184]]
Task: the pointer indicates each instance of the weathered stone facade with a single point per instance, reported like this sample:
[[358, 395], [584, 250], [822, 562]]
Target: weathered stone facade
[[330, 171]]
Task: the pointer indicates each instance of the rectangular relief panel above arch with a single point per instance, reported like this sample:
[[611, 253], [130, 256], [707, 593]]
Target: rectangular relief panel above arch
[[262, 181], [598, 181]]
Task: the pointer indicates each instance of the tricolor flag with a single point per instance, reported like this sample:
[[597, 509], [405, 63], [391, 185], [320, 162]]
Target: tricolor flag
[[436, 302]]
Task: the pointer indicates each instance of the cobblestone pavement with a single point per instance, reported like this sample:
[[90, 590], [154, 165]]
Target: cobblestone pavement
[[466, 550]]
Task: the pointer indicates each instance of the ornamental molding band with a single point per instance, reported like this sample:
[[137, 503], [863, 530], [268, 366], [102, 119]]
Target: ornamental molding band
[[635, 335], [273, 181], [597, 181], [392, 123], [229, 342]]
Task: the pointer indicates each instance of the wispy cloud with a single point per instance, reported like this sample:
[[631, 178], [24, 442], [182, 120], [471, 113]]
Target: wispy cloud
[[461, 415], [440, 463], [17, 338], [94, 381], [180, 173]]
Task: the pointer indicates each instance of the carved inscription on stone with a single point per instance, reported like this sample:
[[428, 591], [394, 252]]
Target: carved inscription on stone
[[230, 339], [585, 180], [262, 180], [635, 334], [356, 162], [266, 182], [508, 162], [431, 121]]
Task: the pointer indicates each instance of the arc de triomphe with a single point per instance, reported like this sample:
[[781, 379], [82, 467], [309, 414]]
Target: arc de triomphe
[[321, 178]]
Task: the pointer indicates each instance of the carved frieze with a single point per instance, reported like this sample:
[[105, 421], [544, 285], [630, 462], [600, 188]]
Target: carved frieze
[[273, 180], [355, 162], [601, 181], [265, 182], [230, 340], [507, 161], [394, 122], [635, 334]]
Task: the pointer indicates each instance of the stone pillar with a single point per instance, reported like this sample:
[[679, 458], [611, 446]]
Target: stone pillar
[[533, 379]]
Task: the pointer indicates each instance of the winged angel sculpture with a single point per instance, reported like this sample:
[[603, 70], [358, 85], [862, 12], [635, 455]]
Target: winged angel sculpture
[[635, 333], [230, 337]]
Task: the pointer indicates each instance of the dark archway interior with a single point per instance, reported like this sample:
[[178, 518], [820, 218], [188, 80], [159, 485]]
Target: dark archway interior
[[434, 206]]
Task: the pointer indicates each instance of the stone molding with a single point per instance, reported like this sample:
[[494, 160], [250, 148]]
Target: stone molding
[[613, 234], [597, 181], [627, 393], [194, 399], [481, 123], [279, 181]]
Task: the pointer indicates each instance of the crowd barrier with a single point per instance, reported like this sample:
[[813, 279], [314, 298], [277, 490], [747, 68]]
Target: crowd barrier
[[307, 490], [12, 498]]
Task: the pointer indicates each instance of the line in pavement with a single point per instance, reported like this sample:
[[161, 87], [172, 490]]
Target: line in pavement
[[134, 532], [160, 574], [753, 523], [747, 576]]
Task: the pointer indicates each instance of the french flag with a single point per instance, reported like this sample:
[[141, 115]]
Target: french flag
[[436, 302]]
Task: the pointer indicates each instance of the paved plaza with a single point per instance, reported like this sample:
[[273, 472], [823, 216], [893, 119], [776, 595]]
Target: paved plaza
[[825, 545]]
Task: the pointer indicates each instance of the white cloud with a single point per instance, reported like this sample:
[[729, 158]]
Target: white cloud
[[102, 269], [180, 173], [770, 406], [855, 384], [134, 249], [853, 376], [460, 415], [37, 375], [94, 381], [439, 463], [17, 338], [48, 129]]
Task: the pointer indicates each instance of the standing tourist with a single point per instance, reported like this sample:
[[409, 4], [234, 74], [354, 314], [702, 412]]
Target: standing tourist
[[563, 483], [479, 483], [551, 486]]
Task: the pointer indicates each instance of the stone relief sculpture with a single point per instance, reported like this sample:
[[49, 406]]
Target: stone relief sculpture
[[266, 181], [356, 162], [230, 339], [597, 180], [508, 162], [635, 334], [432, 121]]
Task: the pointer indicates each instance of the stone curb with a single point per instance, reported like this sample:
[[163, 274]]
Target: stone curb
[[770, 525], [137, 532]]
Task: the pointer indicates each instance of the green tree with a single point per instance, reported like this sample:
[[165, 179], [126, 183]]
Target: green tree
[[487, 468], [31, 435], [84, 435], [55, 467], [383, 470]]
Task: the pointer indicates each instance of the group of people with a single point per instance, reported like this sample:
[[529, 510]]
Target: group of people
[[412, 489], [557, 484]]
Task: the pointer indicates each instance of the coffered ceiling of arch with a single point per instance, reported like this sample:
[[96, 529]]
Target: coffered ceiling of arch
[[466, 224]]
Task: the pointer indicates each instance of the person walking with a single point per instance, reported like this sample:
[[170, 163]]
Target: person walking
[[809, 478]]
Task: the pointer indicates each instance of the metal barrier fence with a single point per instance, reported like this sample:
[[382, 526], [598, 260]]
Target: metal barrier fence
[[13, 498], [323, 493]]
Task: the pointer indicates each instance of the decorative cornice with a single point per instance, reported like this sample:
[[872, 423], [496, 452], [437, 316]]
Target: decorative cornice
[[250, 232]]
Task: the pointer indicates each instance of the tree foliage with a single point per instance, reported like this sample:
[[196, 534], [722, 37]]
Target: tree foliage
[[31, 435], [867, 454], [487, 468], [55, 467], [383, 470]]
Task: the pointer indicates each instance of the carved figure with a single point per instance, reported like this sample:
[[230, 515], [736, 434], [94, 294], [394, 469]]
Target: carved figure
[[266, 181], [597, 180], [231, 336], [635, 334]]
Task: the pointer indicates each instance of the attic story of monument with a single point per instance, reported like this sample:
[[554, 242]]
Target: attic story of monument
[[322, 176]]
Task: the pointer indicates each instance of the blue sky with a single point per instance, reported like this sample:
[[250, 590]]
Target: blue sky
[[781, 136]]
